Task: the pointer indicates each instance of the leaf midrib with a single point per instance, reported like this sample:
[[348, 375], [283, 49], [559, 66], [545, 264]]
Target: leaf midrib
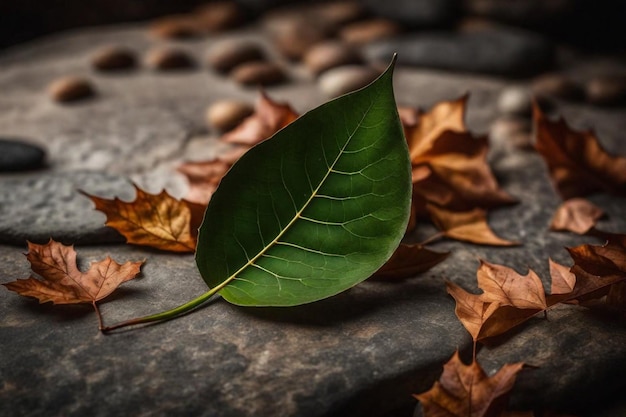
[[298, 214]]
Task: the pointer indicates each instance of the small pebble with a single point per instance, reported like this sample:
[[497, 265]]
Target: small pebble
[[18, 155], [512, 132], [557, 85], [226, 55], [175, 27], [224, 115], [515, 100], [341, 80], [367, 31], [294, 37], [341, 12], [330, 54], [111, 58], [606, 90], [70, 88], [168, 59], [258, 73], [219, 16]]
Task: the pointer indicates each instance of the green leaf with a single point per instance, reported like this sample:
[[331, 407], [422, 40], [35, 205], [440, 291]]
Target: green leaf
[[315, 209]]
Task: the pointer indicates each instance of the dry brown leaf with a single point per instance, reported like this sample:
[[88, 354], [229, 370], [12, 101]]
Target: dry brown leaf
[[410, 260], [578, 164], [423, 129], [156, 220], [63, 283], [563, 280], [269, 117], [470, 226], [576, 215], [598, 268], [471, 309], [203, 178], [467, 391], [505, 286]]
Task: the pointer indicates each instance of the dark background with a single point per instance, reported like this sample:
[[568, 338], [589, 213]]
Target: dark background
[[597, 25]]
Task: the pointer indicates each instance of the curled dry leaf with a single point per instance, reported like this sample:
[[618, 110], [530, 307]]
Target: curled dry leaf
[[578, 164], [469, 226], [576, 215], [63, 283], [467, 391], [509, 298], [410, 260], [268, 118], [156, 220]]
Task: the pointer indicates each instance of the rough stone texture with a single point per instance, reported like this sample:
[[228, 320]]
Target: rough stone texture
[[501, 51], [19, 155], [415, 13], [39, 207], [362, 353]]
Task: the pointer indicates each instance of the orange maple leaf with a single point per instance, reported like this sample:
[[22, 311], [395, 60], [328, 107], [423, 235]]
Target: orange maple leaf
[[156, 220], [63, 283], [470, 226], [578, 164], [467, 391], [576, 215], [409, 260]]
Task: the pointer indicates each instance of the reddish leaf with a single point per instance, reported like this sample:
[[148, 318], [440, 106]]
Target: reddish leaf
[[203, 177], [156, 220], [269, 117], [470, 226], [467, 391], [576, 215], [63, 283], [471, 309], [577, 162], [410, 260]]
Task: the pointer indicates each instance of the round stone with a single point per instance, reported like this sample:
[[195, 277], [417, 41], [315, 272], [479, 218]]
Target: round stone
[[606, 90], [294, 35], [557, 85], [111, 58], [341, 80], [330, 54], [226, 55], [19, 155], [224, 115], [259, 73], [367, 31], [515, 100], [218, 16], [70, 88], [175, 27], [165, 59]]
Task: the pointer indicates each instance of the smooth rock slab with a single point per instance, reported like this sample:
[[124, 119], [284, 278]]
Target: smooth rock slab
[[504, 52], [40, 207], [18, 155]]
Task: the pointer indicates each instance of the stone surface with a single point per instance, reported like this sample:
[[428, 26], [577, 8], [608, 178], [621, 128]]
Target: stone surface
[[415, 13], [505, 52], [340, 80], [39, 207], [20, 155], [515, 100], [362, 353]]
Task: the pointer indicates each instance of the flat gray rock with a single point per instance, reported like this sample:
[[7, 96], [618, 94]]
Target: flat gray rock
[[38, 207], [503, 52]]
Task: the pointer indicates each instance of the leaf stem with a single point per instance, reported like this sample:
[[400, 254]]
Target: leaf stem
[[433, 238], [165, 315], [98, 314]]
